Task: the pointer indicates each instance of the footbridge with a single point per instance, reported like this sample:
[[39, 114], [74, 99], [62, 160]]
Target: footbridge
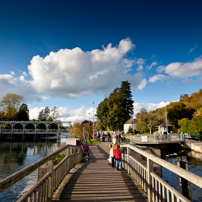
[[95, 181], [32, 128]]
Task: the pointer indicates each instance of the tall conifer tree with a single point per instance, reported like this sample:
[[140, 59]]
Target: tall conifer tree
[[127, 100]]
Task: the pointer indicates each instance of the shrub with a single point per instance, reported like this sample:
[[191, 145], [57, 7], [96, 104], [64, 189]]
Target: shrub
[[59, 158]]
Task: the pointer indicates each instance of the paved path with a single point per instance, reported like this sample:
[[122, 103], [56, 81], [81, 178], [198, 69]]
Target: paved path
[[95, 181]]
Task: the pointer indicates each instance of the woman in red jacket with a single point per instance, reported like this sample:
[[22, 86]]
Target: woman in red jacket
[[117, 155]]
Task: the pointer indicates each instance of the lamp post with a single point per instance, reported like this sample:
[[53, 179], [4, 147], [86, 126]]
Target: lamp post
[[166, 119], [93, 120]]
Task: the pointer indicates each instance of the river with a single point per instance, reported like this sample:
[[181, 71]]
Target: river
[[194, 160], [15, 156]]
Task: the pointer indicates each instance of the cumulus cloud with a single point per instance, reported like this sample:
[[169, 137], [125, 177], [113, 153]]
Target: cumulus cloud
[[17, 85], [75, 73], [148, 106], [158, 77], [185, 70], [142, 84], [75, 115]]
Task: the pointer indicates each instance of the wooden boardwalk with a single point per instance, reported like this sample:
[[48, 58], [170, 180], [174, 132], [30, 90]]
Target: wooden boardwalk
[[95, 181]]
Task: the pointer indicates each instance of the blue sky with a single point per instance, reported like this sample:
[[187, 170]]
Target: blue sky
[[70, 54]]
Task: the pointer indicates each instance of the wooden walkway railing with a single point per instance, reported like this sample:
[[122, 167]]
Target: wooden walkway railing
[[156, 189], [45, 187], [95, 181]]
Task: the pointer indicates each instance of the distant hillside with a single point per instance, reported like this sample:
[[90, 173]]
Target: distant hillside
[[194, 101]]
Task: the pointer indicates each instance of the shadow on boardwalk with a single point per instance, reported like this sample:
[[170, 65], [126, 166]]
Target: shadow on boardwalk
[[95, 181]]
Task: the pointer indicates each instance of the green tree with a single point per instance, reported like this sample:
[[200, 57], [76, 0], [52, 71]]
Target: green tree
[[102, 114], [195, 127], [184, 96], [41, 116], [115, 110], [44, 115], [177, 111], [141, 120], [184, 125], [127, 100], [147, 121], [10, 104], [116, 115], [23, 113], [55, 114], [2, 116]]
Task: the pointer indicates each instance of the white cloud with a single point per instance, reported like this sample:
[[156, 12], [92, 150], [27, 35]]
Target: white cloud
[[75, 115], [187, 81], [34, 113], [148, 106], [12, 73], [151, 65], [18, 85], [140, 62], [142, 84], [157, 77], [140, 68], [185, 70], [75, 73], [45, 98], [160, 69]]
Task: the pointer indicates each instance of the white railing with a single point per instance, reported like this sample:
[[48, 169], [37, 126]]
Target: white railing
[[158, 139], [43, 190], [156, 189]]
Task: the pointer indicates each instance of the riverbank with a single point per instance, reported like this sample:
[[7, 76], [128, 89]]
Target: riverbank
[[193, 145]]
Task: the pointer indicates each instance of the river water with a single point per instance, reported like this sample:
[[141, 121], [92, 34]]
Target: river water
[[15, 156], [194, 160]]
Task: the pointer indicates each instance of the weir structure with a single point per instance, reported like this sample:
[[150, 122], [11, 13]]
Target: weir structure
[[31, 128]]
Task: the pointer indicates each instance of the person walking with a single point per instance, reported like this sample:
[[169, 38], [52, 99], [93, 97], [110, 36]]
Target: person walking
[[117, 155], [109, 136], [111, 155]]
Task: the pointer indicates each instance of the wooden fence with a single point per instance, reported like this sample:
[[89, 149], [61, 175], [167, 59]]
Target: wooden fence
[[43, 190], [157, 190]]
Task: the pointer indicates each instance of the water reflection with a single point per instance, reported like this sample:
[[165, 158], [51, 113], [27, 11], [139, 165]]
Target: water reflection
[[195, 166], [15, 156]]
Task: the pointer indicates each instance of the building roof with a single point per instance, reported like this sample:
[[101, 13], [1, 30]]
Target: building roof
[[130, 121], [164, 125], [86, 121]]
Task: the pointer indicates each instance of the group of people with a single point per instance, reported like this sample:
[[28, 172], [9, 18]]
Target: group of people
[[101, 137], [106, 136], [115, 156]]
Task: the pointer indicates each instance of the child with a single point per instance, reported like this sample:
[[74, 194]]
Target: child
[[111, 155], [117, 155]]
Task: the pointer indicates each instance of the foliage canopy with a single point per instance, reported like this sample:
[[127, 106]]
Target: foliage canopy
[[115, 110]]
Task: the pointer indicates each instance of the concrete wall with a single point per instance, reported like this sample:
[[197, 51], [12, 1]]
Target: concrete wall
[[193, 145]]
